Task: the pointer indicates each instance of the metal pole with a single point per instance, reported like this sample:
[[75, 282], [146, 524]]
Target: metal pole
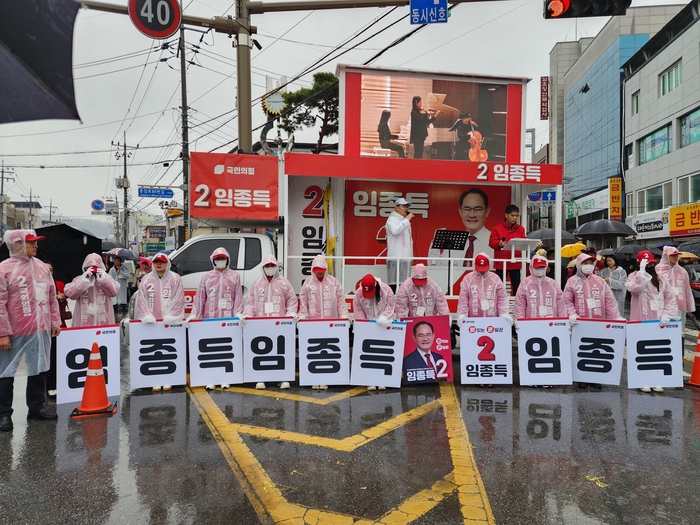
[[126, 200], [245, 118], [185, 139]]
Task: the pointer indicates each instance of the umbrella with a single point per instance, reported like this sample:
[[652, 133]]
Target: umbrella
[[634, 249], [687, 256], [548, 235], [605, 227], [572, 250], [123, 253], [689, 246], [66, 247], [666, 243], [110, 245], [36, 60], [606, 251]]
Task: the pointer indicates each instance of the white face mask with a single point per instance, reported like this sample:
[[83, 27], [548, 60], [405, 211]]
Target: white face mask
[[220, 263], [270, 271], [587, 269], [538, 272]]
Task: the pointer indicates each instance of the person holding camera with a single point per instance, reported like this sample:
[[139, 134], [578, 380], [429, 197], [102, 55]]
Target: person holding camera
[[92, 292]]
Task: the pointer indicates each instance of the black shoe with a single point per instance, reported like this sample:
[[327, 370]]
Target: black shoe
[[583, 385], [596, 386], [5, 424], [43, 414]]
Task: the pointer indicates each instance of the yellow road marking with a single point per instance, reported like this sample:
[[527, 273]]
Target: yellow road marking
[[282, 394]]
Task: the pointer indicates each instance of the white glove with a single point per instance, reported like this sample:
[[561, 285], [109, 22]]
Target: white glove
[[462, 318], [295, 318], [515, 323], [172, 319], [87, 276], [573, 319], [241, 317], [643, 265], [383, 322], [148, 319], [508, 318], [664, 322], [101, 273], [188, 320]]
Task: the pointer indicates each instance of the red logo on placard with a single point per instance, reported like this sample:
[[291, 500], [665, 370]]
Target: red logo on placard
[[277, 323], [223, 324], [489, 329], [551, 324], [331, 325], [98, 332], [472, 329], [607, 326]]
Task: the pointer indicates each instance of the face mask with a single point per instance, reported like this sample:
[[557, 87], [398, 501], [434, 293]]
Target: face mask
[[270, 271], [538, 272], [220, 263], [587, 269]]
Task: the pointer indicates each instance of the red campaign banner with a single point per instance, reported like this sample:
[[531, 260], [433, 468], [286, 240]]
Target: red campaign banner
[[225, 186], [427, 335], [388, 169]]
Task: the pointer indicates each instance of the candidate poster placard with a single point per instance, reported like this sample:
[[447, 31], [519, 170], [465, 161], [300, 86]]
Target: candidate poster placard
[[654, 354], [485, 351], [427, 356], [377, 354], [216, 352], [544, 352], [269, 349], [597, 347], [73, 348], [324, 352], [157, 354]]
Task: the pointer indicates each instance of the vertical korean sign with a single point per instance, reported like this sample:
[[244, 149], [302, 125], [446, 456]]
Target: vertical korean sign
[[544, 98], [224, 186], [615, 193]]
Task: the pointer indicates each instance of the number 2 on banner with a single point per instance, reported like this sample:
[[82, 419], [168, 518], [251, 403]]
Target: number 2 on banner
[[486, 353], [442, 369], [202, 202], [162, 11]]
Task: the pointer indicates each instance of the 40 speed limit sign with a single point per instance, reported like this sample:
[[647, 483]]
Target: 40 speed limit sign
[[156, 18]]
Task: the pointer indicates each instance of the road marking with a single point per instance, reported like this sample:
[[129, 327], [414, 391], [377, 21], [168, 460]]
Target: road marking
[[282, 394]]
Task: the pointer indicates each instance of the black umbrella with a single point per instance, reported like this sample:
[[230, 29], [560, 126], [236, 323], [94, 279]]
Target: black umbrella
[[110, 245], [605, 227], [634, 249], [36, 60], [66, 247], [548, 235], [123, 253], [689, 246]]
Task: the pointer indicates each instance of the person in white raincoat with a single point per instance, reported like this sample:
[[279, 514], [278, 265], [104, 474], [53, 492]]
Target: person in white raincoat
[[219, 294], [121, 274], [399, 242], [92, 292], [679, 280], [420, 296], [29, 317], [616, 278]]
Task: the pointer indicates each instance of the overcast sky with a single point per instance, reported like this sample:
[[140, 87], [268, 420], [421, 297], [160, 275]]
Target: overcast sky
[[124, 83]]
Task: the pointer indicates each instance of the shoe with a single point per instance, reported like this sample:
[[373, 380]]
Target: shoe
[[6, 424], [323, 387], [225, 386], [260, 386], [596, 386], [210, 387], [645, 389], [371, 388], [167, 388], [316, 387], [51, 393], [42, 414], [156, 389], [583, 385], [284, 385], [486, 386], [381, 388], [658, 389], [546, 386]]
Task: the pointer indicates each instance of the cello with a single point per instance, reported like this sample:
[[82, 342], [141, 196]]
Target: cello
[[476, 152]]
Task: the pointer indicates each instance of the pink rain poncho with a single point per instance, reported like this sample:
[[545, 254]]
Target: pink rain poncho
[[647, 302], [219, 294], [589, 297], [678, 278], [373, 309], [161, 297], [93, 294], [539, 297], [322, 299], [413, 300], [28, 308], [271, 298], [482, 295]]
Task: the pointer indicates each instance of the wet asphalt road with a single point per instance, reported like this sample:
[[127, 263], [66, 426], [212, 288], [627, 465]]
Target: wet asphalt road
[[424, 455]]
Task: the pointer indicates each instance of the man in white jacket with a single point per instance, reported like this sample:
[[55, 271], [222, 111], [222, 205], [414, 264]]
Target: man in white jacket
[[399, 243]]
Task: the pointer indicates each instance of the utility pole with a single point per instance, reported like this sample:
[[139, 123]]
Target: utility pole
[[185, 138], [3, 198], [124, 184], [31, 207], [51, 208]]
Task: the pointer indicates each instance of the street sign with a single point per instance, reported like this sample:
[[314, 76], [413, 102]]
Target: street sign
[[534, 197], [549, 195], [156, 193], [428, 11], [97, 205], [156, 18], [111, 208]]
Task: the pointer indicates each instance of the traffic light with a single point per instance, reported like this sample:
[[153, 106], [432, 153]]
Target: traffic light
[[584, 8]]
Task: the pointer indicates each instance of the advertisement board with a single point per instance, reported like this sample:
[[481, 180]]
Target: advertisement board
[[685, 220], [615, 191], [651, 225]]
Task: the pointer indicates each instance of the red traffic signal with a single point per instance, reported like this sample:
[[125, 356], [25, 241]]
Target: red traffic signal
[[584, 8]]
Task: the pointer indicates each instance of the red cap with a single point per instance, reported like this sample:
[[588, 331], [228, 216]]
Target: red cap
[[419, 275], [646, 255], [539, 262], [160, 257], [31, 238], [318, 270], [369, 286], [219, 256], [482, 262], [673, 251]]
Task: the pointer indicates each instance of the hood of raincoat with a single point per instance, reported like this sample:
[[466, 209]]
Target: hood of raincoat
[[219, 252], [12, 237], [168, 264], [319, 262], [580, 259], [668, 250], [93, 259], [538, 258]]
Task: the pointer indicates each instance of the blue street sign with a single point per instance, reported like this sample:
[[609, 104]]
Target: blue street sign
[[97, 205], [549, 195], [156, 193], [534, 197], [428, 11]]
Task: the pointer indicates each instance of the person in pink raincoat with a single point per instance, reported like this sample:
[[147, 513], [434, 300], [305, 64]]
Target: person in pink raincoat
[[420, 296], [539, 296], [652, 296], [161, 296], [219, 294], [482, 293], [29, 317], [679, 280], [92, 292], [271, 295]]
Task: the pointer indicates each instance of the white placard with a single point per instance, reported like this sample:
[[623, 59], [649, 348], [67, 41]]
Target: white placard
[[377, 354], [486, 351], [597, 347], [269, 349], [157, 354], [324, 352], [73, 348], [654, 354], [216, 352], [544, 352]]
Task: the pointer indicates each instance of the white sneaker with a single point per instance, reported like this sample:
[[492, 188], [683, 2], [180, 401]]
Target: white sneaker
[[167, 388], [658, 389], [284, 385], [371, 388], [210, 387], [316, 387], [52, 393], [323, 387], [381, 388], [260, 386], [225, 386], [645, 389], [156, 389]]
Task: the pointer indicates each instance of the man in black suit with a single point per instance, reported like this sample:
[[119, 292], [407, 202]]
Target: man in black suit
[[422, 365]]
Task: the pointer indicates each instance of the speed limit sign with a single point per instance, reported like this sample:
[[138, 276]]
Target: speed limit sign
[[156, 18]]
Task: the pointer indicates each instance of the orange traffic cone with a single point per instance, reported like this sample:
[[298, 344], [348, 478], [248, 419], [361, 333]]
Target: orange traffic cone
[[95, 402], [694, 381]]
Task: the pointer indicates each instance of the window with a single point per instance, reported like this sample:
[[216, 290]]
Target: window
[[196, 257], [668, 194], [629, 204], [690, 128], [655, 145], [640, 202], [628, 159], [654, 198], [683, 191], [671, 78], [695, 188], [635, 103]]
